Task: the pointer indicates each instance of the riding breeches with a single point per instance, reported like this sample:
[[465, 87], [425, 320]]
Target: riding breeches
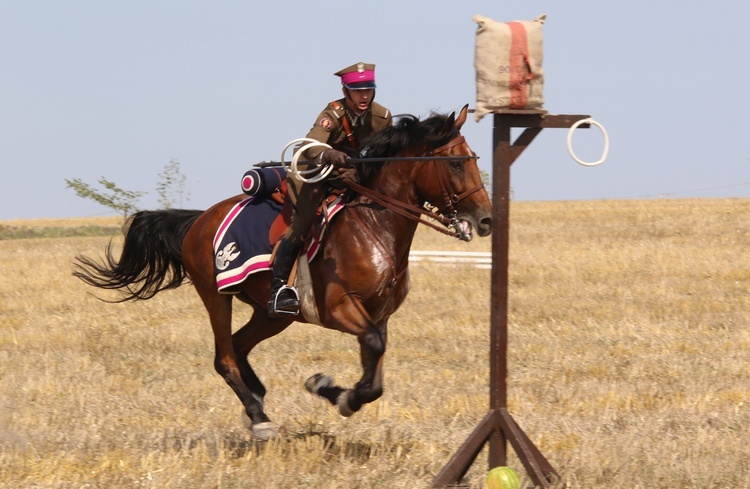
[[305, 198]]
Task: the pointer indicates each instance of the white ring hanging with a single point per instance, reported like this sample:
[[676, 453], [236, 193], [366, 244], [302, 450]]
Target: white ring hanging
[[606, 142], [292, 167]]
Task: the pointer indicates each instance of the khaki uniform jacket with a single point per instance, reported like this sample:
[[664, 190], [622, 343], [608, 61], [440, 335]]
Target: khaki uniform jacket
[[329, 128]]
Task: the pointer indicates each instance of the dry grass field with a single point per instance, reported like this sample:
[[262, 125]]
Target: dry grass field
[[629, 364]]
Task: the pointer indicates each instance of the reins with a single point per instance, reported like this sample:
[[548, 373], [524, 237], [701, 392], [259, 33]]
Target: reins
[[412, 212], [409, 211], [449, 195]]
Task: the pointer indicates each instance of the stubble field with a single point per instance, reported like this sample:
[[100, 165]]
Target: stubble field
[[629, 364]]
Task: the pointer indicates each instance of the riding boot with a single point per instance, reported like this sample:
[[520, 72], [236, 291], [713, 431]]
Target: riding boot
[[284, 300]]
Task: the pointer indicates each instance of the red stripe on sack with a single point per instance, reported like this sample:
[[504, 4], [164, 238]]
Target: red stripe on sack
[[519, 75]]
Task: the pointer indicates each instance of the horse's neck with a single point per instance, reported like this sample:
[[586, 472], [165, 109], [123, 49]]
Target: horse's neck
[[396, 181], [396, 232]]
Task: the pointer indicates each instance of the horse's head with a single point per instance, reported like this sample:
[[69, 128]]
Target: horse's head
[[454, 186], [444, 177]]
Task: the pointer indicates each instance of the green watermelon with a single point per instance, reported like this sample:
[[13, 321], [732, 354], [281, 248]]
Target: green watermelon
[[503, 478]]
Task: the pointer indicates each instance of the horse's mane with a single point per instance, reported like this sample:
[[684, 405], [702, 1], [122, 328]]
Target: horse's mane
[[407, 132]]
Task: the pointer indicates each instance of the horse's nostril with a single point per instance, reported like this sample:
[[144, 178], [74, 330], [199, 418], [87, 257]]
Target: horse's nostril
[[485, 226]]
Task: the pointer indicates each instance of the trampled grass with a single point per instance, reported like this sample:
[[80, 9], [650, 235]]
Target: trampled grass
[[629, 364]]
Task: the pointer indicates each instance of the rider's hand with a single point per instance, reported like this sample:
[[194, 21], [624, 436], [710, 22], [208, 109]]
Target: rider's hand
[[334, 157]]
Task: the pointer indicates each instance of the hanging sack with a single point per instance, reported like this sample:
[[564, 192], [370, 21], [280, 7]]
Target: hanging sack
[[508, 64]]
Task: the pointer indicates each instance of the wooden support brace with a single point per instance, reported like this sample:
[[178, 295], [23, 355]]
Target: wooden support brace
[[498, 426]]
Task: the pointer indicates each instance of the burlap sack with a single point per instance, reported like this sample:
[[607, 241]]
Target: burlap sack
[[508, 63]]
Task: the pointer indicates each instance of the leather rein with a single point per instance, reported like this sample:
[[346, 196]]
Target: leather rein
[[450, 197]]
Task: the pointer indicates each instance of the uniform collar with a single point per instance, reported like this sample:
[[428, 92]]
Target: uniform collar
[[356, 120]]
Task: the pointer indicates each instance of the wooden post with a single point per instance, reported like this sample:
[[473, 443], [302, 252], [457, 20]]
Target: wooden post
[[498, 426]]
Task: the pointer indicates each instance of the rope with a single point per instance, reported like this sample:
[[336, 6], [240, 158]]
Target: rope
[[296, 172]]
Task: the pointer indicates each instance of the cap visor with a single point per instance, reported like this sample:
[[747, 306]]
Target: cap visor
[[360, 86]]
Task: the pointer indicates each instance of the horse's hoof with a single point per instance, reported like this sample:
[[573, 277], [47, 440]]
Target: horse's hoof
[[264, 431], [342, 403], [260, 431], [317, 382]]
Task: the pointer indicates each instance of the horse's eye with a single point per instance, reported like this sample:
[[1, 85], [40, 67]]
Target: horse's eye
[[456, 164]]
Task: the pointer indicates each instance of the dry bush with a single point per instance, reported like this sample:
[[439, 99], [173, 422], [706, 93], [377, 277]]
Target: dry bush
[[629, 365]]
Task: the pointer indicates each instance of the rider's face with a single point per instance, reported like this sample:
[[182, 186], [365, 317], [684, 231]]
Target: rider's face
[[359, 100]]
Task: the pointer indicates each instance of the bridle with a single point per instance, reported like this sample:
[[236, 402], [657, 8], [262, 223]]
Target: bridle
[[445, 215], [450, 198]]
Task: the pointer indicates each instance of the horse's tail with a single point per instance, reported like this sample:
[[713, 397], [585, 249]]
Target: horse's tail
[[151, 258]]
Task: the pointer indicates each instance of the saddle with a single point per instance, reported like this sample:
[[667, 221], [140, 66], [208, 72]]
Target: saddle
[[246, 239], [271, 183]]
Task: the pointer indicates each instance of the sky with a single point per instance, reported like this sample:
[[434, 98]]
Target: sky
[[92, 89]]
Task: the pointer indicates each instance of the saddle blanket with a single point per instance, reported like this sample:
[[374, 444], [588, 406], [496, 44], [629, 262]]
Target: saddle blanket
[[242, 245]]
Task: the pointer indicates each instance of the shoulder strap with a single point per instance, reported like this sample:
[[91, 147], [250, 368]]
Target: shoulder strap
[[347, 127]]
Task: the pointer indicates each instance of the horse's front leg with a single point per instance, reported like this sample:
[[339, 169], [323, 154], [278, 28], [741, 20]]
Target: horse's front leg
[[372, 344]]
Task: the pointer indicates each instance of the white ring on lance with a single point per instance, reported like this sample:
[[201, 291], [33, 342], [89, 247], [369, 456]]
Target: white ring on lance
[[299, 174], [606, 142]]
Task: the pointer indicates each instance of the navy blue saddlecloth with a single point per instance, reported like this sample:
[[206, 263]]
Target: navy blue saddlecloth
[[242, 246]]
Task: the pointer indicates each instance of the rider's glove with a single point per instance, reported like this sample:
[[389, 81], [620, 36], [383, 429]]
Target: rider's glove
[[334, 157]]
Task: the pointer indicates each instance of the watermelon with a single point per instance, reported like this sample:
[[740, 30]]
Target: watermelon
[[503, 478]]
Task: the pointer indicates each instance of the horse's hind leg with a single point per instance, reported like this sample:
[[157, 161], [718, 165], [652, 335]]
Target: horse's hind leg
[[259, 328], [372, 343], [227, 363]]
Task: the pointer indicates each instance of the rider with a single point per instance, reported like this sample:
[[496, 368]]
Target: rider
[[342, 125]]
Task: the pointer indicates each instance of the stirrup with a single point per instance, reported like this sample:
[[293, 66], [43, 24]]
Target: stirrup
[[286, 310]]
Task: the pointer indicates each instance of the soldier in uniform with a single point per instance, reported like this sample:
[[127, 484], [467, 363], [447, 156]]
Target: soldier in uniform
[[342, 125]]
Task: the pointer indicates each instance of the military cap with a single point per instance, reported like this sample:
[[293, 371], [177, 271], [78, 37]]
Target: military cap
[[359, 76]]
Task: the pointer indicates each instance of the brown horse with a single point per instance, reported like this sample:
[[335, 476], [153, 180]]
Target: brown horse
[[359, 278]]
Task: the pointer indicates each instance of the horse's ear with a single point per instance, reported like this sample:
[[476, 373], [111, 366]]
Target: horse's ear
[[462, 117], [448, 124]]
